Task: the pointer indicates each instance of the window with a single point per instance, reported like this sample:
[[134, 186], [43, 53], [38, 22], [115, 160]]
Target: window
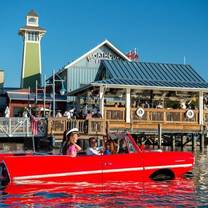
[[32, 20], [130, 145], [33, 36]]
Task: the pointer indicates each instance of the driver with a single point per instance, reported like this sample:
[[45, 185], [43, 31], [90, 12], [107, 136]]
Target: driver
[[93, 149]]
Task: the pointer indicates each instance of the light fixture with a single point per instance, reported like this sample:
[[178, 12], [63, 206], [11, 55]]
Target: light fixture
[[62, 90]]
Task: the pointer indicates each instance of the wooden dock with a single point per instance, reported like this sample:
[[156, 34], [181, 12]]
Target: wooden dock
[[156, 122]]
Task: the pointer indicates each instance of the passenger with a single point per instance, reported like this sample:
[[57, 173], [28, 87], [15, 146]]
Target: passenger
[[112, 147], [122, 146], [93, 149], [71, 148], [109, 147]]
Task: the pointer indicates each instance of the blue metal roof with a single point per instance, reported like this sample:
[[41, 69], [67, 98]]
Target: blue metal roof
[[149, 74]]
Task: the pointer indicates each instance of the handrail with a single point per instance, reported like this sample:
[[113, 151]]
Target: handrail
[[115, 113], [114, 117], [21, 127], [90, 126]]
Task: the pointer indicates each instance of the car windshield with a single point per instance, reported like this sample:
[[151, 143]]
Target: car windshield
[[115, 143], [123, 143]]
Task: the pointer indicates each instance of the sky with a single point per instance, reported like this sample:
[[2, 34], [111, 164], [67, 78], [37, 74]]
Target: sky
[[162, 31]]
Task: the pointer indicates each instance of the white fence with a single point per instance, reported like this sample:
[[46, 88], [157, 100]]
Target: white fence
[[21, 127]]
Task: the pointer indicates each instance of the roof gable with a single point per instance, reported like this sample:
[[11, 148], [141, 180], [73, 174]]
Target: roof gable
[[104, 43]]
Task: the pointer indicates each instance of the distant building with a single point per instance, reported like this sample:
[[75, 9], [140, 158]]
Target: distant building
[[83, 70], [31, 58]]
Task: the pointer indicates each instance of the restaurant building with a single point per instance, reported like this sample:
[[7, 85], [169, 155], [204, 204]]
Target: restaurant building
[[139, 96]]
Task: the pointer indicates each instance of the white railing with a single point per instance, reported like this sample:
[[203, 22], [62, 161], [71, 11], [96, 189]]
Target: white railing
[[21, 127]]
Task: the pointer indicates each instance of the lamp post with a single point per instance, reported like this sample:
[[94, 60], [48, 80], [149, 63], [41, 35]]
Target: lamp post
[[44, 96], [54, 94], [53, 84]]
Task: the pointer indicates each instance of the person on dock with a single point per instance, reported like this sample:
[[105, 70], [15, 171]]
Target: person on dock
[[67, 114]]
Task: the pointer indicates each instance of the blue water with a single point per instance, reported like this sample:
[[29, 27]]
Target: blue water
[[190, 191]]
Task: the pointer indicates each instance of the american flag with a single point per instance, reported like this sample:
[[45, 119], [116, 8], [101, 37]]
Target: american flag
[[34, 125], [133, 55]]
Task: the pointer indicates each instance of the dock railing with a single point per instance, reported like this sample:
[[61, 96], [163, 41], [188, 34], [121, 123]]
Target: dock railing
[[94, 126], [177, 120], [115, 113], [165, 116], [21, 127], [114, 117]]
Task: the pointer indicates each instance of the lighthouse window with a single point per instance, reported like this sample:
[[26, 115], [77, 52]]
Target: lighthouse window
[[33, 36], [32, 20]]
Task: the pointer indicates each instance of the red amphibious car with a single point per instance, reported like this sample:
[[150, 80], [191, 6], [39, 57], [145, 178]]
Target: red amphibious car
[[130, 164]]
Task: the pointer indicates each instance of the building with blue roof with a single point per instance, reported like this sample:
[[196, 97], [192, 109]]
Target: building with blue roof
[[149, 75], [154, 92]]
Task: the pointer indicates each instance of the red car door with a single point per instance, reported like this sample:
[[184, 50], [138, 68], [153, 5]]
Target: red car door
[[125, 165]]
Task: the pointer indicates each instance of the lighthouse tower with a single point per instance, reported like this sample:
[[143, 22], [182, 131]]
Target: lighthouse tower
[[31, 58]]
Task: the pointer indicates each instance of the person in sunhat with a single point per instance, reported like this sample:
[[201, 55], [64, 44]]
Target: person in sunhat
[[70, 146]]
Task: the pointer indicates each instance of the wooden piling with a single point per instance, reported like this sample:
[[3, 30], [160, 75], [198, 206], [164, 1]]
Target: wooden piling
[[159, 135], [202, 139], [182, 139], [173, 142], [193, 143]]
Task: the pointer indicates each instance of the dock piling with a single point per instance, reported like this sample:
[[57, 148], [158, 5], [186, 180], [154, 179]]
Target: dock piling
[[159, 135]]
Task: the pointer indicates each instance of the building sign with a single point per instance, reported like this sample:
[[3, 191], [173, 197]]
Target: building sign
[[97, 56]]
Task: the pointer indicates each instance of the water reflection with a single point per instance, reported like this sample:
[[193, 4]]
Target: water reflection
[[178, 192], [182, 192]]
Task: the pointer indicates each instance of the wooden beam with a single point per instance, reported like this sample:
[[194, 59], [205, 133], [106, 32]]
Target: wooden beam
[[101, 96], [128, 105]]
